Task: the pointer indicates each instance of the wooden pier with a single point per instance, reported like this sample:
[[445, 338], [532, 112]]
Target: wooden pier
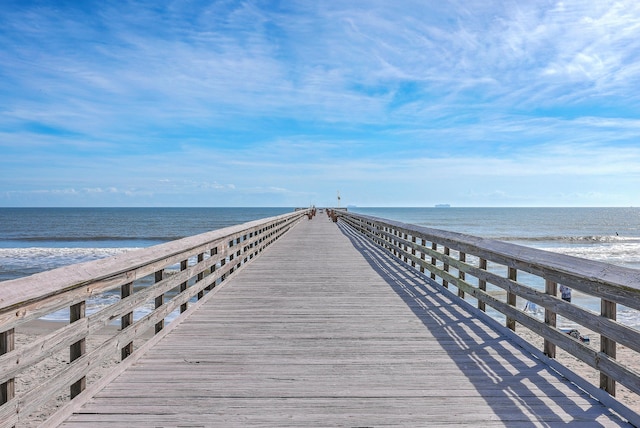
[[322, 332], [325, 328]]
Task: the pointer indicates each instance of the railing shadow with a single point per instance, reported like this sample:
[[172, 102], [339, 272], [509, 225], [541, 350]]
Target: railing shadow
[[500, 370]]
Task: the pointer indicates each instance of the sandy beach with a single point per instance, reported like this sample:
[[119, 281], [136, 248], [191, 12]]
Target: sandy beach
[[624, 355], [31, 331]]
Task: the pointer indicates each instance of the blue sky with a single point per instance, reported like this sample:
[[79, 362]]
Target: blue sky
[[269, 103]]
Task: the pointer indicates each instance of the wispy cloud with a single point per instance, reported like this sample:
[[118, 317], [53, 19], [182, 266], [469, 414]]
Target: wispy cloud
[[214, 98]]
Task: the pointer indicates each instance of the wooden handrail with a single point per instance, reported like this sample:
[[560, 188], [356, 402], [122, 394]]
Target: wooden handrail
[[432, 250], [203, 261]]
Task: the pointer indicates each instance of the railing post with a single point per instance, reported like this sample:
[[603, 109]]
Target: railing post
[[511, 298], [245, 248], [551, 288], [405, 248], [159, 300], [200, 276], [413, 251], [395, 244], [447, 252], [424, 243], [126, 290], [212, 252], [462, 258], [183, 286], [482, 284], [7, 344], [434, 247], [387, 238], [78, 349], [608, 346]]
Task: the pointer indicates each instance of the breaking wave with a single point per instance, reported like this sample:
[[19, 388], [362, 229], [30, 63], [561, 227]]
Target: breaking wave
[[19, 262], [99, 238], [588, 239]]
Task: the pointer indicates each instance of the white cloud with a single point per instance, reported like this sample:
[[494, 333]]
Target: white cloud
[[523, 53], [94, 190], [213, 99]]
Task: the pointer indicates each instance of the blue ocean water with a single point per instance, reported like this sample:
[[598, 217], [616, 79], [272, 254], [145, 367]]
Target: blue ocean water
[[33, 240], [38, 239]]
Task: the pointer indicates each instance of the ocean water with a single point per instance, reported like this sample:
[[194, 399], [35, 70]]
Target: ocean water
[[37, 239]]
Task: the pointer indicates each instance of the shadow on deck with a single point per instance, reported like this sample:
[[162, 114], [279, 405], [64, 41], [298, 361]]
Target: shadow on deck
[[521, 389]]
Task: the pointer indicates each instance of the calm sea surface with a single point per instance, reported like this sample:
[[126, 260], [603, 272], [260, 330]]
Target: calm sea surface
[[38, 239]]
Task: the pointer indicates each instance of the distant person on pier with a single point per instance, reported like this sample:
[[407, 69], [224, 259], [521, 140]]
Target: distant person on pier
[[565, 293]]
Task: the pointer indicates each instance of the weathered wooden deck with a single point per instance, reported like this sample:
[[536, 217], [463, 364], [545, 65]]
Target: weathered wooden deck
[[325, 330]]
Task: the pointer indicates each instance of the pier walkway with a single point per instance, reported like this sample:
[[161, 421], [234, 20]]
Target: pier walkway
[[324, 329]]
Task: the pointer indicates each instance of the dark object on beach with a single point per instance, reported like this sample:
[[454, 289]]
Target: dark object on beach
[[576, 334]]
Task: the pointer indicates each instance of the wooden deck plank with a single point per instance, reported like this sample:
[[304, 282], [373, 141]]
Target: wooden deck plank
[[323, 330]]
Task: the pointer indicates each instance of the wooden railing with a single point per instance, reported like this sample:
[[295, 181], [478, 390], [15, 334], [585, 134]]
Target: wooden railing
[[495, 274], [168, 278]]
